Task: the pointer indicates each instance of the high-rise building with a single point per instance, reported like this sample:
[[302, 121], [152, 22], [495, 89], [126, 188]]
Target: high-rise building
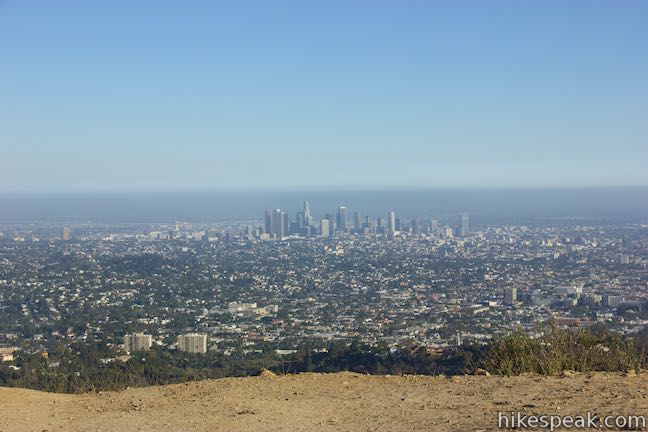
[[66, 234], [342, 219], [510, 295], [137, 342], [357, 225], [331, 220], [286, 223], [416, 226], [381, 226], [279, 227], [324, 228], [269, 221], [463, 225], [301, 221], [434, 227], [308, 218], [391, 223], [193, 343]]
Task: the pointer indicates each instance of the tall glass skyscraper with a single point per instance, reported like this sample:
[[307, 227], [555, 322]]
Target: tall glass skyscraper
[[463, 225], [342, 219]]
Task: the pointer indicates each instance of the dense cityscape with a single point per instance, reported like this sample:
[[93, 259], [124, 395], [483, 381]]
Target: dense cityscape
[[277, 283]]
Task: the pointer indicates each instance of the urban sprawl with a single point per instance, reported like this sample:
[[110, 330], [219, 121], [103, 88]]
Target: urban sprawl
[[279, 282]]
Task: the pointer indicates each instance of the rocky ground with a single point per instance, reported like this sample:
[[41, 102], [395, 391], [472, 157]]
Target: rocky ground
[[332, 402]]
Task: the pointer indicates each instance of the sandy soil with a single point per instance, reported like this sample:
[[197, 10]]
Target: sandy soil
[[333, 402]]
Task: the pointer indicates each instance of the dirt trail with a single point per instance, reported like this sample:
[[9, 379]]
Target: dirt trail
[[332, 402]]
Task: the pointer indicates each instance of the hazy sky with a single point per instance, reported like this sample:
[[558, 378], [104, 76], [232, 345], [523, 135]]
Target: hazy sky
[[162, 95]]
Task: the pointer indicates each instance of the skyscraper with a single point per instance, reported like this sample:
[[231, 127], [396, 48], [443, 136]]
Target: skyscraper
[[416, 226], [66, 234], [324, 228], [285, 223], [357, 225], [434, 227], [301, 220], [278, 224], [308, 218], [463, 225], [342, 219], [331, 223], [391, 223], [381, 226], [269, 219]]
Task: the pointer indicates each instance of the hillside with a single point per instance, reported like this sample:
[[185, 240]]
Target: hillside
[[307, 402]]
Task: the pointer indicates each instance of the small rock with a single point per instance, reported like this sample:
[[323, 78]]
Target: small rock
[[265, 373]]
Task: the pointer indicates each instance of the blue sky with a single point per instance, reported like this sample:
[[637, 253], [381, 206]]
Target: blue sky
[[208, 95]]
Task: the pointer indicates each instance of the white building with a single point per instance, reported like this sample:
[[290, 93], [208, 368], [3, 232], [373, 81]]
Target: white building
[[137, 342], [235, 307], [193, 343]]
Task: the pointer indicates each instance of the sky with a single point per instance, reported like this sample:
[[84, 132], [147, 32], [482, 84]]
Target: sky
[[110, 96]]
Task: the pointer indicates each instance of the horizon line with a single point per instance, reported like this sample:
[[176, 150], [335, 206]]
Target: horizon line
[[321, 190]]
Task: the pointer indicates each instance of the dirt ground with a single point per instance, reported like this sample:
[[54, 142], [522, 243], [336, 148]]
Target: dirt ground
[[331, 402]]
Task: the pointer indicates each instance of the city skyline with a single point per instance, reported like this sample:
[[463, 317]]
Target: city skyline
[[183, 96], [486, 204], [279, 225]]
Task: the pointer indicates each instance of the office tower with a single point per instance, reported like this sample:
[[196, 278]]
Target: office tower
[[294, 228], [434, 227], [308, 218], [193, 343], [278, 227], [463, 225], [286, 223], [66, 234], [329, 218], [356, 222], [391, 223], [324, 228], [367, 226], [301, 221], [342, 219], [137, 342], [381, 226], [416, 226], [510, 295], [269, 219]]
